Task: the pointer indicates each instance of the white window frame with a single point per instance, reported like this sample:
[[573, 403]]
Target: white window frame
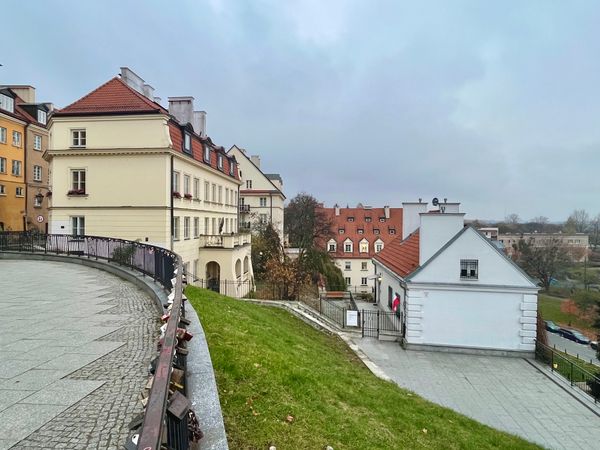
[[77, 226], [37, 201], [331, 246], [364, 265], [196, 227], [17, 167], [348, 281], [78, 138], [19, 192], [347, 265], [176, 225], [248, 184], [186, 227], [3, 132], [78, 183], [17, 138], [348, 246], [187, 143], [364, 281], [231, 168], [220, 195], [363, 247], [197, 188], [2, 189], [206, 191], [378, 247], [263, 201], [37, 173], [176, 181], [42, 116], [206, 153], [469, 269], [187, 184], [2, 165], [220, 162], [37, 142], [7, 103]]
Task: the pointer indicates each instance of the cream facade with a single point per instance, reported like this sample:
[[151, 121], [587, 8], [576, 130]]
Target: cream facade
[[151, 178], [261, 195]]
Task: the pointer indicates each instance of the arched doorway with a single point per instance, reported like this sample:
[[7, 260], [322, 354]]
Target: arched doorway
[[238, 269], [246, 265], [213, 276]]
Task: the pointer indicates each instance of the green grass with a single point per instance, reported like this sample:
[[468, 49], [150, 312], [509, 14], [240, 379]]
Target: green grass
[[270, 365], [550, 310]]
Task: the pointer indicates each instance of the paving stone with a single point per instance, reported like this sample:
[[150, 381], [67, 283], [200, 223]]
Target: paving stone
[[94, 342]]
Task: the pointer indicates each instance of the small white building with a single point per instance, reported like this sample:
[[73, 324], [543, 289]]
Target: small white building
[[458, 291], [261, 194]]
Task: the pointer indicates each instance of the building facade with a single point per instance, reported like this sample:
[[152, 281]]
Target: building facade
[[358, 234], [123, 166], [23, 171], [261, 195], [457, 290], [576, 245]]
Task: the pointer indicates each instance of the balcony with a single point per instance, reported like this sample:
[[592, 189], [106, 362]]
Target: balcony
[[244, 208], [224, 240]]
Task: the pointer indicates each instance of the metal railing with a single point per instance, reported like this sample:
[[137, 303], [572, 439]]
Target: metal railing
[[166, 268], [567, 367]]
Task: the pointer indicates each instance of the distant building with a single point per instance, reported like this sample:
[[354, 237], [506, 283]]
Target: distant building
[[357, 234], [124, 166], [457, 290], [261, 194], [23, 171], [490, 232], [577, 245]]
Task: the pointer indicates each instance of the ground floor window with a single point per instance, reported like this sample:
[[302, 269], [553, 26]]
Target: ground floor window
[[78, 225], [348, 281], [363, 281]]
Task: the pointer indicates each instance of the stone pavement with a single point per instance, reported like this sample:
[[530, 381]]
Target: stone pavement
[[504, 393], [75, 344]]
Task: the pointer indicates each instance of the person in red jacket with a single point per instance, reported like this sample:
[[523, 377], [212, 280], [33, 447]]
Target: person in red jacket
[[396, 303]]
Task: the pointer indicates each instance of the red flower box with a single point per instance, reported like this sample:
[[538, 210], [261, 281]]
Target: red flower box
[[176, 195]]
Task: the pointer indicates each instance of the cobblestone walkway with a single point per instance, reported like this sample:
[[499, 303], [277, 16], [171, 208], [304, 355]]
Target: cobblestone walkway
[[75, 344]]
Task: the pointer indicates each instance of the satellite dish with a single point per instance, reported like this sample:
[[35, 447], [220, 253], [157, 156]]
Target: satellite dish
[[435, 201]]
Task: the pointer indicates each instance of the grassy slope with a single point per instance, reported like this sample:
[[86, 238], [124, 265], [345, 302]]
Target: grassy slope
[[269, 365], [550, 309]]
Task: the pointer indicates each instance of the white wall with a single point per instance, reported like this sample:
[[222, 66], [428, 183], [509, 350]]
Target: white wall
[[356, 273], [410, 216], [494, 268], [435, 231], [471, 318]]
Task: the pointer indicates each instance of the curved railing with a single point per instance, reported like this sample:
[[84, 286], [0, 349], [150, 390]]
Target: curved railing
[[166, 268]]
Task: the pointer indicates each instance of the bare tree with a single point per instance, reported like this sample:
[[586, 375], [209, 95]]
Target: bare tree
[[578, 221], [512, 219], [543, 262], [594, 231]]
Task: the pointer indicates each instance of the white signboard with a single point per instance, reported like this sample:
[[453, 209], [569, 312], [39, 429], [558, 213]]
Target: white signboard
[[351, 318]]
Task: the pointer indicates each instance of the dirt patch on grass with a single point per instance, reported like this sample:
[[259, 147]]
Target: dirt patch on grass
[[568, 306]]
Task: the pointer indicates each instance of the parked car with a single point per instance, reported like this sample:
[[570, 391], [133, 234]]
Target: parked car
[[574, 335], [551, 326], [594, 345]]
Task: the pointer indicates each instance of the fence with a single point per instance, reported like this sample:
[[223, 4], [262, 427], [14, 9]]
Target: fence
[[566, 366], [166, 415], [380, 323]]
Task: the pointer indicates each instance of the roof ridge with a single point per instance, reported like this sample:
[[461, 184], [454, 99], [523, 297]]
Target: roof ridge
[[140, 95], [89, 93]]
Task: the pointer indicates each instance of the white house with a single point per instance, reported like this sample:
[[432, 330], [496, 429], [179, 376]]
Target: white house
[[457, 290], [261, 194]]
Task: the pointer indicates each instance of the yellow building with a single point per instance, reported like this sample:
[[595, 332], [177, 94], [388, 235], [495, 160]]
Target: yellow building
[[12, 163], [123, 166]]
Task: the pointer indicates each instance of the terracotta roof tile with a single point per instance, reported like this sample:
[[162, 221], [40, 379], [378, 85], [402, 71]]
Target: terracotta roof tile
[[401, 256], [371, 230], [114, 96]]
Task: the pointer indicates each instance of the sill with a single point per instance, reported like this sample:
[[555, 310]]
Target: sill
[[176, 239], [186, 239], [37, 207], [77, 195], [469, 278], [20, 196], [77, 146]]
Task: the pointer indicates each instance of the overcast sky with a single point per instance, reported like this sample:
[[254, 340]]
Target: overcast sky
[[494, 104]]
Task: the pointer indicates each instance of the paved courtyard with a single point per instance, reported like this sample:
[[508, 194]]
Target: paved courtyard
[[75, 344], [505, 393]]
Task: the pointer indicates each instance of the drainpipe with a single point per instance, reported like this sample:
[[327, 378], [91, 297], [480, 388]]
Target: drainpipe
[[172, 215], [25, 172], [271, 207], [238, 210]]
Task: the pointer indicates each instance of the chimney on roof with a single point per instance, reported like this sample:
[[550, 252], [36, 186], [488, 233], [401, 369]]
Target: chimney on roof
[[386, 211], [449, 207], [200, 122], [410, 216], [256, 160], [134, 81], [436, 230], [182, 108], [336, 207], [27, 93]]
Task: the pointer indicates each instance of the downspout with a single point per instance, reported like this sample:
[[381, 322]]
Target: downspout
[[25, 171], [171, 196], [271, 207], [238, 210]]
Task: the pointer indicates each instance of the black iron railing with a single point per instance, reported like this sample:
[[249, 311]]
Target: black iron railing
[[568, 367], [164, 417]]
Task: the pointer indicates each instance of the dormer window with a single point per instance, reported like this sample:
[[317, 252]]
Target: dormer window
[[469, 269], [350, 219], [376, 230], [361, 231], [187, 143], [382, 219], [341, 231], [220, 161], [367, 219], [378, 245], [41, 116], [207, 153], [392, 231], [7, 103], [364, 246], [331, 246], [348, 246], [231, 168]]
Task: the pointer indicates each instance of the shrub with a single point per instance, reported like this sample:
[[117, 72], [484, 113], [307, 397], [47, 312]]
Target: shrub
[[123, 254]]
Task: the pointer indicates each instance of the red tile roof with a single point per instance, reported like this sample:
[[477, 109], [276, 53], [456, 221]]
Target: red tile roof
[[401, 256], [198, 143], [359, 222], [113, 97]]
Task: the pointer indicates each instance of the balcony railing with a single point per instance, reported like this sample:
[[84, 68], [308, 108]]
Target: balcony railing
[[244, 208], [224, 240]]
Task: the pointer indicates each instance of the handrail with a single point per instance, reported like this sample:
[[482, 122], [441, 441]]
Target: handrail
[[134, 255]]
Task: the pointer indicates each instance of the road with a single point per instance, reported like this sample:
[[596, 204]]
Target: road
[[573, 348]]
